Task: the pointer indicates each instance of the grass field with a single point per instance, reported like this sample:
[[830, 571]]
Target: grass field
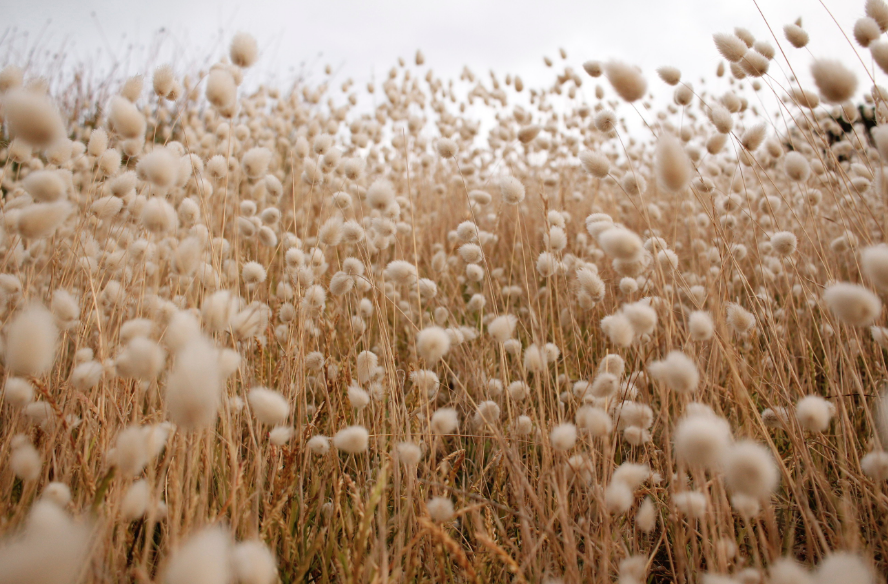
[[630, 331]]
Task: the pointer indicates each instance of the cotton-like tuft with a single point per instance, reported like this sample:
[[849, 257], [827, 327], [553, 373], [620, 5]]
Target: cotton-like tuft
[[702, 440], [32, 117], [18, 392], [784, 243], [24, 460], [353, 440], [280, 435], [594, 421], [731, 47], [243, 50], [254, 563], [878, 11], [31, 338], [42, 220], [408, 453], [440, 509], [677, 371], [269, 407], [844, 567], [852, 304], [750, 470], [673, 165], [58, 493], [691, 504], [163, 80], [626, 80], [875, 465], [620, 243], [796, 167], [874, 265], [595, 164], [528, 133], [788, 571], [563, 436], [253, 273], [866, 30], [593, 68], [700, 325], [46, 186], [53, 548], [446, 148], [814, 413], [502, 327], [320, 445], [796, 35], [221, 89], [136, 501], [444, 421], [670, 75], [432, 344], [204, 558], [606, 121], [511, 190], [125, 119], [739, 319], [835, 81], [194, 385]]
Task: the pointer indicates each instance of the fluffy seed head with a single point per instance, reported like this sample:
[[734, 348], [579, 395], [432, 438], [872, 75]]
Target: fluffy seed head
[[24, 460], [440, 509], [835, 81], [221, 89], [432, 344], [844, 567], [700, 325], [446, 148], [320, 445], [730, 46], [626, 80], [511, 190], [269, 407], [502, 327], [46, 186], [352, 440], [874, 265], [852, 304], [563, 436], [125, 118], [31, 338], [750, 470], [673, 165], [205, 557], [444, 421], [739, 319], [814, 413], [878, 11], [243, 50], [702, 440], [595, 164], [620, 243], [32, 117], [254, 563], [408, 453], [194, 385], [796, 167], [677, 371], [796, 35]]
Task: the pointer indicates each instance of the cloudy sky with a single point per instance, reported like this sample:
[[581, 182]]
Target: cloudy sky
[[361, 39]]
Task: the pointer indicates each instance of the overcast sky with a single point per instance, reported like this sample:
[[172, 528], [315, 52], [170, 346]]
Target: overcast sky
[[360, 38]]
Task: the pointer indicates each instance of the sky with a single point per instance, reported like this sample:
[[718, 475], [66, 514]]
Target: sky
[[363, 39]]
